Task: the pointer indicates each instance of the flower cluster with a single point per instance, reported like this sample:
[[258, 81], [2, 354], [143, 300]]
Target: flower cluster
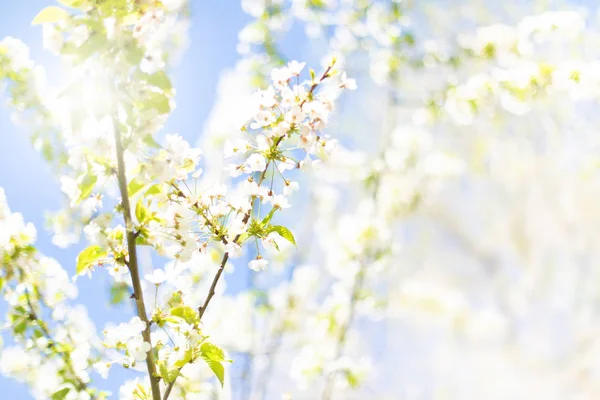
[[54, 342]]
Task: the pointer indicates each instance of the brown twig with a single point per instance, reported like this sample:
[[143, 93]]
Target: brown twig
[[133, 264]]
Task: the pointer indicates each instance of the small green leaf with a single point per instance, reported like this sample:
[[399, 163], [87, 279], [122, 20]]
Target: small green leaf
[[140, 212], [163, 371], [187, 313], [154, 189], [94, 43], [20, 328], [217, 369], [50, 14], [149, 141], [175, 299], [86, 186], [160, 80], [159, 102], [133, 54], [118, 293], [284, 233], [134, 186], [74, 3], [173, 374], [88, 257], [212, 351], [214, 356], [142, 240], [267, 219], [243, 237], [187, 357], [353, 380], [167, 375], [61, 394]]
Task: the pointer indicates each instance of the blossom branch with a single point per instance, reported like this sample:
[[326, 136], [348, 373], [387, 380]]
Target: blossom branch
[[212, 290]]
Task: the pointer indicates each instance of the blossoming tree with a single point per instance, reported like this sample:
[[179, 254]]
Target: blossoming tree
[[444, 220]]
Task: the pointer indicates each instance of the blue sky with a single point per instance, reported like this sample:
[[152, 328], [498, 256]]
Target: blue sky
[[31, 187]]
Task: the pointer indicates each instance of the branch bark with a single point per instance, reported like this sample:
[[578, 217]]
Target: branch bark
[[133, 264]]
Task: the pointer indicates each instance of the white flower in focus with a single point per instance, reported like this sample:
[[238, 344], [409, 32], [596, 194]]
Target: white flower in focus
[[265, 98], [263, 118], [257, 162], [295, 115], [258, 264], [279, 201], [295, 67], [137, 348], [232, 148], [281, 76], [102, 368], [273, 241], [289, 188], [234, 250], [157, 277]]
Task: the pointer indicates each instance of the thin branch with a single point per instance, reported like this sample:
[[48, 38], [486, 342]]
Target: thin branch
[[343, 333], [133, 264]]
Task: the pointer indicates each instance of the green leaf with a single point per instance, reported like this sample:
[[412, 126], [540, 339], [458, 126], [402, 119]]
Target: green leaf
[[159, 102], [214, 356], [167, 375], [88, 257], [118, 293], [173, 374], [284, 233], [217, 369], [187, 357], [163, 371], [50, 14], [243, 237], [154, 189], [134, 186], [74, 3], [94, 43], [133, 54], [160, 80], [86, 186], [212, 351], [61, 394], [140, 212], [20, 328], [187, 313], [142, 240], [149, 141], [267, 219], [353, 380]]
